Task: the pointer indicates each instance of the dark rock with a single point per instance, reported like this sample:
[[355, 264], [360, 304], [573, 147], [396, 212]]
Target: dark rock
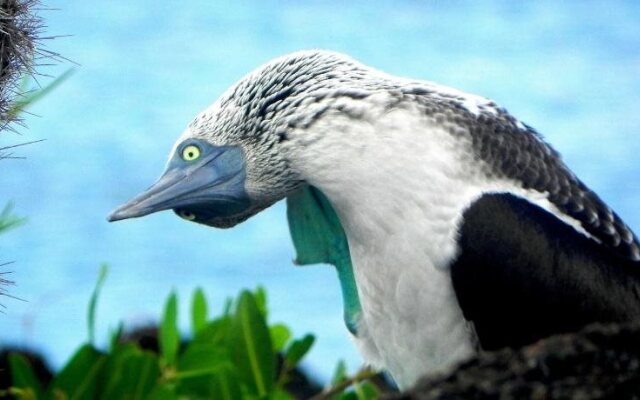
[[300, 384], [146, 337], [599, 362], [38, 364]]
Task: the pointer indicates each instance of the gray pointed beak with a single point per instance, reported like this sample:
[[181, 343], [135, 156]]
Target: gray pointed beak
[[160, 196], [214, 185]]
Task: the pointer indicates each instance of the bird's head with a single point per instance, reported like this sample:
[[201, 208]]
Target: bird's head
[[228, 164]]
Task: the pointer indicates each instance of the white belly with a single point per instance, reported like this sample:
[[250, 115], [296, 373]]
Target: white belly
[[399, 200], [411, 323]]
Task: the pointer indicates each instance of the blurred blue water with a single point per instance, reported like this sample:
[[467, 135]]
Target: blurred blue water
[[571, 69]]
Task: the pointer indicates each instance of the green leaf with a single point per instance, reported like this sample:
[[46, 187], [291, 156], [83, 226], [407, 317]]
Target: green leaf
[[340, 374], [251, 347], [349, 395], [115, 335], [163, 392], [111, 374], [280, 335], [198, 311], [19, 394], [22, 374], [203, 359], [280, 394], [198, 368], [8, 220], [169, 334], [79, 378], [228, 305], [140, 371], [297, 349], [366, 391], [34, 96], [225, 386], [214, 332], [130, 373], [261, 300], [91, 318]]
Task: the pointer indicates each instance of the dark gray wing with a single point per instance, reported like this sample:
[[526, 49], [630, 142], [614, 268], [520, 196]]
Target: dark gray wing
[[512, 150], [525, 157], [523, 274]]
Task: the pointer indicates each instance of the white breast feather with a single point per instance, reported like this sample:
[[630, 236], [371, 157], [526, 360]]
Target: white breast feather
[[400, 184]]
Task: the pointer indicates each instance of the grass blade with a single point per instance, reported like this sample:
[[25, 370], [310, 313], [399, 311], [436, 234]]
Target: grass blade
[[93, 302], [169, 334], [199, 311], [30, 98]]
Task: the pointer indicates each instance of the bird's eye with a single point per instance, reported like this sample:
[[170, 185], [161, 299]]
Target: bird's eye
[[190, 153], [188, 215]]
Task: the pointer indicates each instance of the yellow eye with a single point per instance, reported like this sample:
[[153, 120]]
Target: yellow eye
[[189, 216], [190, 153]]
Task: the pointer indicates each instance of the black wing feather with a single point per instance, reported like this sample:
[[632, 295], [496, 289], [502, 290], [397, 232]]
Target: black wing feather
[[522, 155], [523, 274], [511, 150]]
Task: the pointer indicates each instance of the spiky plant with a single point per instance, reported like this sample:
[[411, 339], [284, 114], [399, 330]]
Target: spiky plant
[[20, 53], [7, 221]]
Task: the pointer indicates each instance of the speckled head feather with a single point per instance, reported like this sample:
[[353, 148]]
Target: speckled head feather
[[258, 112]]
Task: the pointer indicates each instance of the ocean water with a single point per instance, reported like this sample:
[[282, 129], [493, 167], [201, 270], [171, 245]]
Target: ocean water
[[570, 69]]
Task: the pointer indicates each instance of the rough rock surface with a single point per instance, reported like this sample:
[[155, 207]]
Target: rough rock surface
[[599, 362]]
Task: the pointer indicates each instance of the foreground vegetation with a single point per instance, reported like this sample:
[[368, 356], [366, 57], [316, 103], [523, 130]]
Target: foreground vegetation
[[234, 355]]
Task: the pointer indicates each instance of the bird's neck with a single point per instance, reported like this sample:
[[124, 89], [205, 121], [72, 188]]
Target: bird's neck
[[398, 194], [380, 174]]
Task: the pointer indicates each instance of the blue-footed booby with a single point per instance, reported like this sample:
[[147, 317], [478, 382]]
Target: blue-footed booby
[[454, 227]]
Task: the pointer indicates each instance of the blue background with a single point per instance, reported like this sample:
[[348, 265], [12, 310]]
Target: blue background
[[570, 69]]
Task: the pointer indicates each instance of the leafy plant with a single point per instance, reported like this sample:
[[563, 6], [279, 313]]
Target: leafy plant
[[345, 387], [25, 99], [232, 356], [7, 219], [28, 97]]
